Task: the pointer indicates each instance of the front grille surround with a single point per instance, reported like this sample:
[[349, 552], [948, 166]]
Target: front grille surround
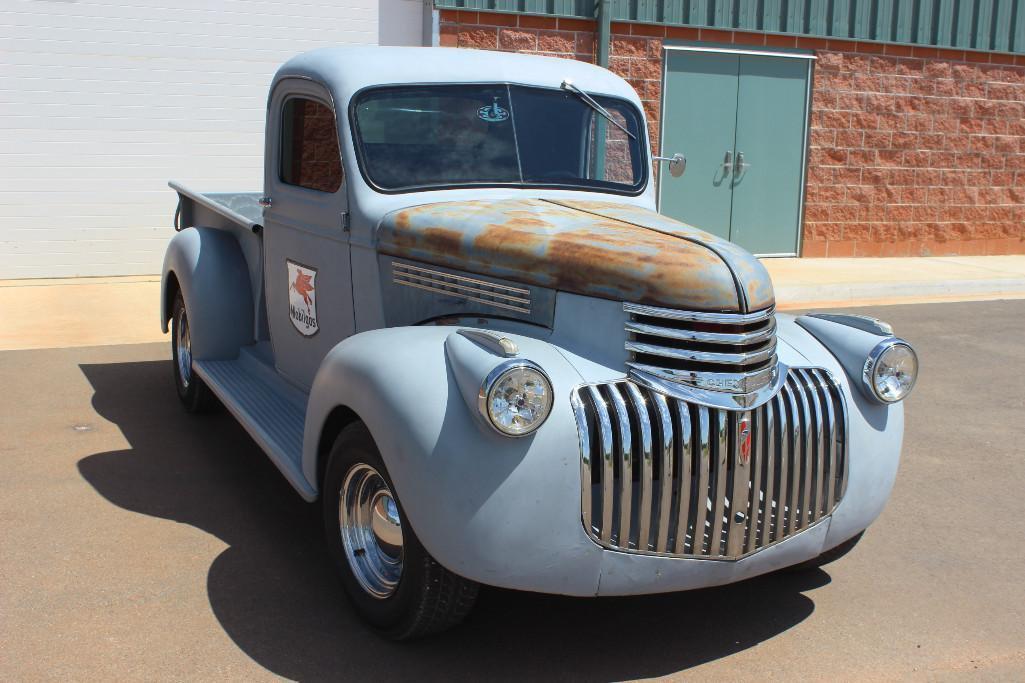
[[724, 352], [686, 469]]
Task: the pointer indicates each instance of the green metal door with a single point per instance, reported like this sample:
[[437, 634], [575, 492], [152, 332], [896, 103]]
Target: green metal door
[[700, 117], [745, 170]]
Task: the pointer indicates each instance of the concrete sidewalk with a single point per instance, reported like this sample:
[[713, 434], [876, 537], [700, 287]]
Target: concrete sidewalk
[[124, 310]]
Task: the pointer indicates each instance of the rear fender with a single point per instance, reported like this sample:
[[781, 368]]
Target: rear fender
[[213, 277]]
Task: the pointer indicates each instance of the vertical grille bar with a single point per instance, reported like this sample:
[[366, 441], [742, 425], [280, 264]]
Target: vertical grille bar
[[625, 467], [700, 501], [758, 427], [741, 465], [771, 456], [815, 455], [719, 420], [665, 476], [640, 406], [686, 473], [805, 452], [666, 473], [607, 456], [794, 456], [830, 478], [585, 457]]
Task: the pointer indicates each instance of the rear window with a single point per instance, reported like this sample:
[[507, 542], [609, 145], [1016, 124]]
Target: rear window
[[309, 146]]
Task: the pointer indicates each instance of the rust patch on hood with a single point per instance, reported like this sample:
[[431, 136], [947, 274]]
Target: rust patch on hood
[[581, 247]]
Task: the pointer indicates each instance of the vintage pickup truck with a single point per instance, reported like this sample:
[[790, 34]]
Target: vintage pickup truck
[[455, 317]]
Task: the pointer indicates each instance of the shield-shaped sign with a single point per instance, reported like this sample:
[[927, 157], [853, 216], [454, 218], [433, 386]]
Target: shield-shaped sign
[[302, 298]]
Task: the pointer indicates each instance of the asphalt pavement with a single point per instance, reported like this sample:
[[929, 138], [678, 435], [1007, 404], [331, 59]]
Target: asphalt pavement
[[139, 542]]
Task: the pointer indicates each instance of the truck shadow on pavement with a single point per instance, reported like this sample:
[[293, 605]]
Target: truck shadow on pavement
[[275, 594]]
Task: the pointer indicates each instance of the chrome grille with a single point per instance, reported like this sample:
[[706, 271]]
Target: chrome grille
[[484, 292], [661, 475], [733, 352]]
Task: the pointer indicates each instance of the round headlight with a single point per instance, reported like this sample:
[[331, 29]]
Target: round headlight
[[891, 370], [516, 397]]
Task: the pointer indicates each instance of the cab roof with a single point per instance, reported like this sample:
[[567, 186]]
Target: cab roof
[[347, 70]]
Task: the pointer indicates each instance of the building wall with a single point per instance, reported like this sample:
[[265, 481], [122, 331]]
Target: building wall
[[103, 102], [913, 151]]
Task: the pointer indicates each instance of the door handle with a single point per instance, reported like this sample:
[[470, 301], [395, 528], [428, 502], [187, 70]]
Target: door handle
[[727, 162], [739, 167]]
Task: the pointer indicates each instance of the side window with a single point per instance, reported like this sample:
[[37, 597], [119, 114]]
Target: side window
[[309, 146]]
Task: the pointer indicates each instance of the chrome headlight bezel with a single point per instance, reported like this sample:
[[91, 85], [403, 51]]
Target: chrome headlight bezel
[[492, 381], [872, 363]]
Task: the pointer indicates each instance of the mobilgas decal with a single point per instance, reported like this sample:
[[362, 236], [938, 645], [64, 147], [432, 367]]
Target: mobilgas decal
[[302, 298]]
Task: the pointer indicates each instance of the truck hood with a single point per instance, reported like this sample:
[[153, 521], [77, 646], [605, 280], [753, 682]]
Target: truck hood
[[595, 248]]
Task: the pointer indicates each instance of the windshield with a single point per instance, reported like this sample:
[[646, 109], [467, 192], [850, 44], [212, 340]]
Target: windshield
[[420, 137]]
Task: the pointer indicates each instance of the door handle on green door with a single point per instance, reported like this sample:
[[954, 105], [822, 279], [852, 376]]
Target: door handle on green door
[[727, 163], [739, 167]]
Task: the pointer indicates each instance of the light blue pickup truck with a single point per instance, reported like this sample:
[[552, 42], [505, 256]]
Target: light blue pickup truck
[[455, 319]]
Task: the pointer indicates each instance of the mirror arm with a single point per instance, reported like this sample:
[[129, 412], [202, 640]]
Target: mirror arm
[[677, 163]]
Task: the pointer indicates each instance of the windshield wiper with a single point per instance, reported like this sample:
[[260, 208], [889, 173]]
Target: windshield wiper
[[568, 85]]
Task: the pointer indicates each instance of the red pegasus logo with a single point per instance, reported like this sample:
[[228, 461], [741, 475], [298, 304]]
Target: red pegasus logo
[[303, 285], [744, 441]]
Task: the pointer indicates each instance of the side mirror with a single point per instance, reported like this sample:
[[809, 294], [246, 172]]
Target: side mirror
[[677, 164]]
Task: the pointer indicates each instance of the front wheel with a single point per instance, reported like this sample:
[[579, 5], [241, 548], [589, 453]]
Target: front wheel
[[393, 582]]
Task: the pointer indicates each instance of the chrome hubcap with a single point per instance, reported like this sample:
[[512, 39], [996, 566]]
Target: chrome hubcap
[[371, 530], [183, 350]]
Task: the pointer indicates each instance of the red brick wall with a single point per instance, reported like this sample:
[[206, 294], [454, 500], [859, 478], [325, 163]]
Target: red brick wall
[[914, 151]]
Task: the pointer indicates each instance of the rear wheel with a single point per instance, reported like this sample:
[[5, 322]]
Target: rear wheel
[[393, 582], [195, 395]]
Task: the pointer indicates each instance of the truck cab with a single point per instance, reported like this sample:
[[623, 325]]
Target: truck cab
[[455, 319]]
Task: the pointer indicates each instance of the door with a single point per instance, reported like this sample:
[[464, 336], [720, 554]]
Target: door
[[306, 244], [741, 121]]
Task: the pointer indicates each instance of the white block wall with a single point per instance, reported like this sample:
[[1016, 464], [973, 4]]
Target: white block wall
[[103, 101]]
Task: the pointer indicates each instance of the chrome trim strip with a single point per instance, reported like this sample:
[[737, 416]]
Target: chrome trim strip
[[761, 385], [474, 281], [404, 279], [463, 296], [699, 316], [739, 338], [452, 285], [740, 359]]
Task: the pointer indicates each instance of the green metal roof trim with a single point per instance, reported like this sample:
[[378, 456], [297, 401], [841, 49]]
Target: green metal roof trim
[[985, 25]]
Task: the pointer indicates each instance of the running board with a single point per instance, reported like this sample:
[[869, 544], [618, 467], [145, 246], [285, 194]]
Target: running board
[[267, 406]]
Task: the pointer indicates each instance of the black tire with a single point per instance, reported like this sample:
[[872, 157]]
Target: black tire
[[830, 555], [195, 395], [427, 598]]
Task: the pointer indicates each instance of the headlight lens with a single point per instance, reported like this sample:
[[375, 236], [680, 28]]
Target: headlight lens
[[891, 370], [516, 398]]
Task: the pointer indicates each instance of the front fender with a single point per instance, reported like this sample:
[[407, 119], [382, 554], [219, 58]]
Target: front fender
[[476, 499], [214, 280], [875, 433]]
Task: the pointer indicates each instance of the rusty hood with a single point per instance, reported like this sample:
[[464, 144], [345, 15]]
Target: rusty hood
[[596, 248]]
